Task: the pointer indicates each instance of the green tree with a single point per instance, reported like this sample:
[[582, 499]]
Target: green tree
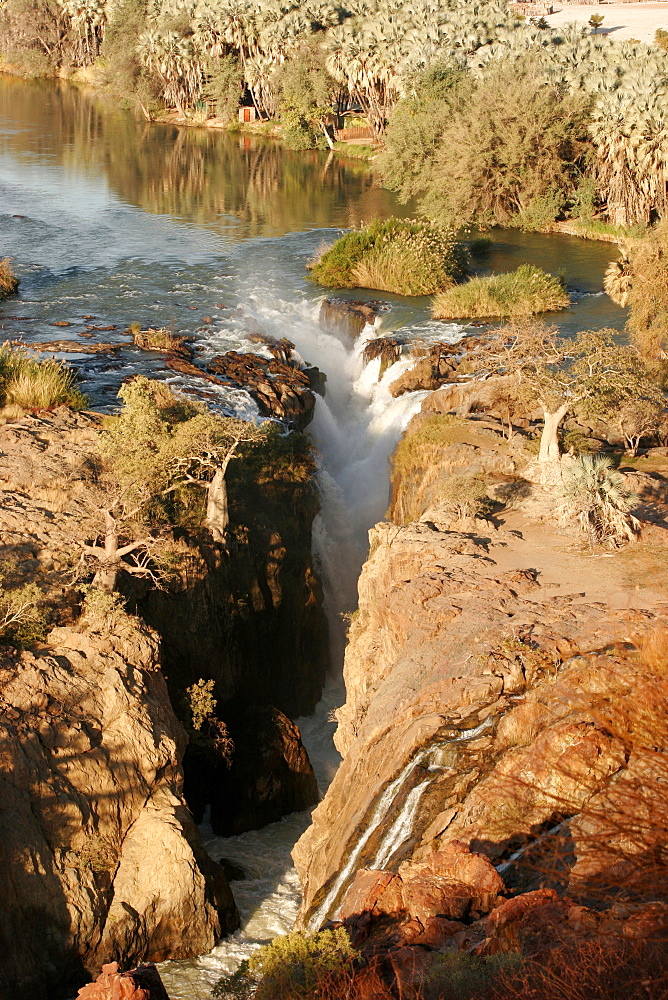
[[595, 21], [306, 92], [168, 458], [590, 373], [510, 149]]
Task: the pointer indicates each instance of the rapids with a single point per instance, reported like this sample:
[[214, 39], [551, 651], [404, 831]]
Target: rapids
[[111, 221]]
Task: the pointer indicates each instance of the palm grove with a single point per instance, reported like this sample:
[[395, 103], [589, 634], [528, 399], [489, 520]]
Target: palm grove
[[526, 123]]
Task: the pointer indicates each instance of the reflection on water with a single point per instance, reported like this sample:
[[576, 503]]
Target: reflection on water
[[240, 184]]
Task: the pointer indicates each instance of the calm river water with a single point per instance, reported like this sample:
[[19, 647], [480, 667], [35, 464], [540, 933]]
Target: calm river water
[[122, 221]]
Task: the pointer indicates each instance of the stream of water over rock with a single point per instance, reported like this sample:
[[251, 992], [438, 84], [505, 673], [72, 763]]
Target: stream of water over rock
[[119, 221]]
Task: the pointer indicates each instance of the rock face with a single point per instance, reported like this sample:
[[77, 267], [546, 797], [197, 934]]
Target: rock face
[[478, 696], [424, 904], [101, 858], [279, 388], [343, 316], [143, 983], [270, 774]]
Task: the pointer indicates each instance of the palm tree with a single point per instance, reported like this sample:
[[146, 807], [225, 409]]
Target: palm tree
[[618, 278]]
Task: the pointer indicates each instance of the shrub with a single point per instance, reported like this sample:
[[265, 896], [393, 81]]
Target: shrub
[[596, 495], [647, 295], [32, 384], [21, 619], [661, 38], [8, 280], [157, 339], [404, 256], [523, 292], [600, 969], [102, 611], [505, 147], [292, 967], [463, 496], [201, 702], [460, 976]]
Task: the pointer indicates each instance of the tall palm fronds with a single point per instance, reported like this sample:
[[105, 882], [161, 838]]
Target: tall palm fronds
[[177, 62], [618, 278], [88, 18], [597, 497]]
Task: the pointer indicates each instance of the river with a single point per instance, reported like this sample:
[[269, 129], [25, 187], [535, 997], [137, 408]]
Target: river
[[209, 233]]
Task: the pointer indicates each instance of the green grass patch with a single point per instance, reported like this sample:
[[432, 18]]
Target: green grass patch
[[403, 256], [354, 151], [8, 280], [523, 292], [30, 384], [420, 460], [595, 229]]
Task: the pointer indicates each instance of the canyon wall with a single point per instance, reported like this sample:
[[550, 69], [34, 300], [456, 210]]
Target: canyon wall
[[479, 661], [101, 859]]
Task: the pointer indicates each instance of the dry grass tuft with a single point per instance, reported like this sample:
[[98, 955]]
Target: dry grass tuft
[[8, 280], [27, 383]]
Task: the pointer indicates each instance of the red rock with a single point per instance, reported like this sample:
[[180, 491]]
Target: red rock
[[142, 983], [436, 896], [372, 892], [456, 864]]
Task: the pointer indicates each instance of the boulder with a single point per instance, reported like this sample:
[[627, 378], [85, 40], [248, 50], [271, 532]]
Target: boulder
[[372, 893], [142, 983], [270, 775], [100, 856], [280, 389], [348, 317]]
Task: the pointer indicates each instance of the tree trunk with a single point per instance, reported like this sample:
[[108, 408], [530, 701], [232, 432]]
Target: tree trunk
[[107, 575], [549, 440], [326, 134], [217, 517]]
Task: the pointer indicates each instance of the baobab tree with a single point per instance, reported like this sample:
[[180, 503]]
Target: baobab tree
[[589, 373], [167, 460]]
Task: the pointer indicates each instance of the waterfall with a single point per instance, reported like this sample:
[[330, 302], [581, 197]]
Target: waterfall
[[381, 810], [402, 827]]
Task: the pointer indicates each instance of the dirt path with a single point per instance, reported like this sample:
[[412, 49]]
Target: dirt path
[[633, 577], [622, 20]]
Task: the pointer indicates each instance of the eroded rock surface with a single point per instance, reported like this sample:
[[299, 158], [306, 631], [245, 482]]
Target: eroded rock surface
[[346, 316], [482, 667], [142, 983], [101, 858], [280, 388]]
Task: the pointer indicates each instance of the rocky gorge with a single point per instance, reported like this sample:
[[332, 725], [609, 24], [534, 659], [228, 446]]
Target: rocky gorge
[[504, 694], [101, 857]]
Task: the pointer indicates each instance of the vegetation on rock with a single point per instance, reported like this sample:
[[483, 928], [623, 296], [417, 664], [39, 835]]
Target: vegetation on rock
[[523, 292], [28, 383], [599, 499], [22, 619], [645, 292], [591, 373], [294, 966], [396, 255]]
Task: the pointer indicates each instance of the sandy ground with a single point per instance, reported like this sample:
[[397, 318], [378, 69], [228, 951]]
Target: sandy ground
[[622, 20]]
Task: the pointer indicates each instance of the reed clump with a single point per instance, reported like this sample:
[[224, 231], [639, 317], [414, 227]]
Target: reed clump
[[29, 383], [523, 292], [159, 339], [403, 256], [8, 280]]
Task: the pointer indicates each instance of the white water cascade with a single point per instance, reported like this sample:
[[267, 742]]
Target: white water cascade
[[355, 428]]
